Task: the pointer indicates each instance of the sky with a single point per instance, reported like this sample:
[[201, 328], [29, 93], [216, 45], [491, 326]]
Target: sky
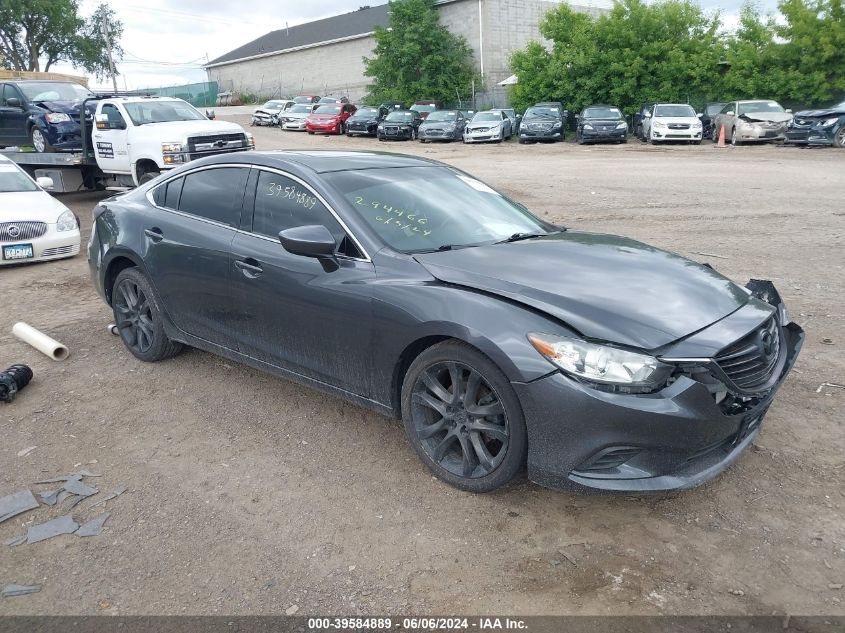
[[165, 42]]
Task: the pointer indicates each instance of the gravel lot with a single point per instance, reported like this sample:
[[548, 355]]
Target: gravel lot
[[249, 494]]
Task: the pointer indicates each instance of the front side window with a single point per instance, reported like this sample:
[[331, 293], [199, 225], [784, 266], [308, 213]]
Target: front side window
[[415, 209], [729, 107], [7, 91], [215, 194], [114, 115], [283, 203]]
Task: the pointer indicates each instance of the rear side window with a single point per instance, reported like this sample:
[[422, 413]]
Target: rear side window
[[282, 203], [174, 188], [215, 194]]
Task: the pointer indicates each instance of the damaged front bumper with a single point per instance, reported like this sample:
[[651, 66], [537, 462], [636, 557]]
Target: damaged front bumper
[[586, 439]]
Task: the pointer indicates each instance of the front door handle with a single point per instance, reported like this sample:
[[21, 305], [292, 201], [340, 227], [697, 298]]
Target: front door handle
[[154, 234], [249, 267]]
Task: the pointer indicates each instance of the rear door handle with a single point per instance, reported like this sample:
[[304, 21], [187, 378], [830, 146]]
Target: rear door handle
[[154, 234], [249, 267]]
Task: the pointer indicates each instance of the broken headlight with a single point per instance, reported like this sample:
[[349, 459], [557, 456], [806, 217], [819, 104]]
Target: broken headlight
[[829, 122], [602, 364]]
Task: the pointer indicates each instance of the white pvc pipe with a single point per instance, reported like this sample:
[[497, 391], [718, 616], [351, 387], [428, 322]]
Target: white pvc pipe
[[39, 341]]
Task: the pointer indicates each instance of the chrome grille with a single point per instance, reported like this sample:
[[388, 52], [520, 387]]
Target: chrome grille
[[21, 231], [750, 361], [60, 250]]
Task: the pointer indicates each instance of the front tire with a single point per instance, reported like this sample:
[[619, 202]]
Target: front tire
[[139, 318], [39, 141], [148, 176], [839, 138], [463, 418]]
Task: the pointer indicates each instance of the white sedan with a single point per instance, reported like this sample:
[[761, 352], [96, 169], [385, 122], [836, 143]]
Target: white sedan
[[34, 226], [672, 122]]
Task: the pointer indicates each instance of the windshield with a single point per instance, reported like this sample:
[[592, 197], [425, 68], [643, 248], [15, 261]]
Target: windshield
[[442, 115], [58, 91], [602, 113], [300, 108], [366, 113], [424, 107], [487, 116], [415, 209], [13, 179], [714, 108], [674, 110], [400, 116], [274, 105], [759, 106], [142, 112], [542, 113], [328, 110]]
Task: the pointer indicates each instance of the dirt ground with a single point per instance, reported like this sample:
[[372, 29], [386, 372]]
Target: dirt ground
[[249, 494]]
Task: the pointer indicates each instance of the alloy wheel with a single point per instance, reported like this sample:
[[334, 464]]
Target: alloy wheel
[[460, 420], [134, 316], [840, 137], [38, 140]]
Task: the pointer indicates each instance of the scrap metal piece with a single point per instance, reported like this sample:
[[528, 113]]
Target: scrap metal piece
[[51, 497], [41, 532], [114, 493], [16, 503], [94, 526], [11, 590], [76, 487], [73, 501], [79, 474]]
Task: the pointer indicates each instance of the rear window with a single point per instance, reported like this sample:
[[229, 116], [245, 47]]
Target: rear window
[[215, 194]]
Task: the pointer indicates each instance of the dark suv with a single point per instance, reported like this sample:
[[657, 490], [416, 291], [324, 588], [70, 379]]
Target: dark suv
[[43, 114]]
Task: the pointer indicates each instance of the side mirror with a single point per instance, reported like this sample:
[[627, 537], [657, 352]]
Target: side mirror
[[647, 115], [729, 113], [13, 102], [309, 241], [209, 114], [45, 183], [700, 114], [788, 110]]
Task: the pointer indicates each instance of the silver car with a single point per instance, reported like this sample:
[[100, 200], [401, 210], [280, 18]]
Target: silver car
[[752, 121], [296, 116], [269, 113], [492, 125]]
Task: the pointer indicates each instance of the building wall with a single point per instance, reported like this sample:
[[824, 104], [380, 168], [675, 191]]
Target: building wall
[[330, 69], [337, 69]]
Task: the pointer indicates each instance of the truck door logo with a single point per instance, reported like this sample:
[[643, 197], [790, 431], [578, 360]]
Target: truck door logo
[[105, 150]]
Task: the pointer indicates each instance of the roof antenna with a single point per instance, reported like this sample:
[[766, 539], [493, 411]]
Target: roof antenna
[[287, 29]]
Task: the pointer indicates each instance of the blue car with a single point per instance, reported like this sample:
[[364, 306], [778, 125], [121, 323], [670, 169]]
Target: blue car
[[42, 114]]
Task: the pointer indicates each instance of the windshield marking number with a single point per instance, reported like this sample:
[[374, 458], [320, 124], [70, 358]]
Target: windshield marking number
[[290, 192]]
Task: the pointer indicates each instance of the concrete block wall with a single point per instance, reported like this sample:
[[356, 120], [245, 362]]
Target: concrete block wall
[[332, 69]]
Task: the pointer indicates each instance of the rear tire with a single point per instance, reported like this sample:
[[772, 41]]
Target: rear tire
[[139, 318], [463, 418]]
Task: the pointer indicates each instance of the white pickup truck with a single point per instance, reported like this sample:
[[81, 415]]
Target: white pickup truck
[[132, 140]]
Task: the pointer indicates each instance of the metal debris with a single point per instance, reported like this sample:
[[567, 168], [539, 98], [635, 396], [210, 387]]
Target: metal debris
[[833, 385], [711, 255], [79, 474], [9, 591], [41, 532], [94, 526], [114, 493], [76, 487], [51, 497], [16, 503]]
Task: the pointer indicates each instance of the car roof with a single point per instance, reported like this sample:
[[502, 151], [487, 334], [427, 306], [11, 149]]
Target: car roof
[[41, 81], [322, 161]]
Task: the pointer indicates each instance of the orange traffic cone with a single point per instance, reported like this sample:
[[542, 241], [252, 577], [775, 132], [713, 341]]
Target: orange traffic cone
[[721, 141]]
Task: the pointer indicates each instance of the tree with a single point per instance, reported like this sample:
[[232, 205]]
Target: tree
[[416, 57], [637, 52], [36, 32]]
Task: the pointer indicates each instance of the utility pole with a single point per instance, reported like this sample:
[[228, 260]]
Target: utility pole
[[108, 51]]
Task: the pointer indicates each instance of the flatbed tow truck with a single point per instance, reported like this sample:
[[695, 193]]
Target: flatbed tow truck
[[130, 139]]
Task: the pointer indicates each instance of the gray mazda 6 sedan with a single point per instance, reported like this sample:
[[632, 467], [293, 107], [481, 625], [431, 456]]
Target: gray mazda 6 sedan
[[405, 285]]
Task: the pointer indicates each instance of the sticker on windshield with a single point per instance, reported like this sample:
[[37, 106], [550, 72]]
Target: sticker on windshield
[[553, 109], [477, 185]]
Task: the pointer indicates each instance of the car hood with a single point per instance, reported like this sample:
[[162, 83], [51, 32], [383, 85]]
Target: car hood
[[296, 115], [668, 120], [603, 121], [37, 206], [323, 117], [606, 287], [771, 117], [266, 111], [480, 124], [201, 127], [71, 108], [438, 125], [812, 114]]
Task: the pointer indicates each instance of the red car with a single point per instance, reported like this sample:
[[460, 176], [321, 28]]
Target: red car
[[425, 107], [330, 118]]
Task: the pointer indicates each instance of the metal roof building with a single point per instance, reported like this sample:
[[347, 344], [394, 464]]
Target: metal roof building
[[325, 57]]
